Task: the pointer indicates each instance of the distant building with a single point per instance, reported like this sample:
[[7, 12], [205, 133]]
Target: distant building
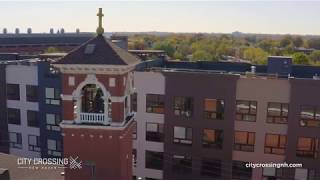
[[306, 51], [37, 43]]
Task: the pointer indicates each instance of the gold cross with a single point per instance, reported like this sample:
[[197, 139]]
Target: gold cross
[[100, 29]]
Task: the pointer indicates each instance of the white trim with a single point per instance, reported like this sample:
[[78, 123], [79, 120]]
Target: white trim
[[98, 69], [82, 126], [117, 98], [66, 97]]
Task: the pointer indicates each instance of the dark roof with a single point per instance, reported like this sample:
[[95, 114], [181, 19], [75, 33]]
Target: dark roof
[[34, 39], [99, 50], [297, 71]]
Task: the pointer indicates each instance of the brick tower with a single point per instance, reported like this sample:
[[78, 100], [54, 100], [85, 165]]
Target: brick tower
[[97, 119]]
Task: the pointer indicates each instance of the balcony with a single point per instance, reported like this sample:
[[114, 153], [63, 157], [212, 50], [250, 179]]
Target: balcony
[[94, 118]]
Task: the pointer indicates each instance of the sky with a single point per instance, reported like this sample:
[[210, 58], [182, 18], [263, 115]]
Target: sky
[[271, 17]]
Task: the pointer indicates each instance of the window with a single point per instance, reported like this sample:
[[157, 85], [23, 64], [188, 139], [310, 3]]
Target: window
[[89, 49], [32, 93], [275, 144], [308, 147], [112, 82], [212, 138], [71, 81], [211, 167], [214, 109], [310, 116], [182, 135], [277, 113], [53, 121], [32, 117], [155, 103], [154, 132], [270, 173], [134, 157], [244, 141], [154, 160], [183, 106], [240, 171], [246, 110], [34, 143], [134, 131], [15, 140], [13, 92], [308, 174], [181, 164], [14, 116], [54, 147], [134, 101], [52, 96]]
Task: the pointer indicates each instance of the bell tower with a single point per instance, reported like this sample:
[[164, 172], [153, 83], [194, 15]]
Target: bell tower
[[97, 120]]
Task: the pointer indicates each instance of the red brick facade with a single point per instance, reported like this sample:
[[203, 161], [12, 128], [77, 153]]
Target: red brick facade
[[109, 150]]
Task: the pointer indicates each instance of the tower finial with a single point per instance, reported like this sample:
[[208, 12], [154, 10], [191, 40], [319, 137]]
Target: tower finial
[[100, 29]]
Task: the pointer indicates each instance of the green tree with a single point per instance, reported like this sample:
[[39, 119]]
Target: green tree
[[285, 41], [300, 58], [165, 46], [255, 55], [298, 41], [201, 55], [315, 56], [314, 43]]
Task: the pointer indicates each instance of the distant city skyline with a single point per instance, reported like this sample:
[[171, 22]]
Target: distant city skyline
[[261, 17]]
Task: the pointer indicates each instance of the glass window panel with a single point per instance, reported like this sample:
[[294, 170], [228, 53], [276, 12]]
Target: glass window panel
[[209, 135], [179, 132], [251, 138], [189, 133], [304, 144], [283, 140], [240, 137], [272, 140], [52, 144], [160, 126], [301, 173], [210, 104], [13, 137], [269, 171], [307, 112], [33, 140], [153, 127], [285, 109], [317, 114], [274, 109], [50, 93], [253, 107], [243, 106], [50, 119]]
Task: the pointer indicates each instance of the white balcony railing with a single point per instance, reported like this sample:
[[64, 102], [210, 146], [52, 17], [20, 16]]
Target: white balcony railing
[[94, 118]]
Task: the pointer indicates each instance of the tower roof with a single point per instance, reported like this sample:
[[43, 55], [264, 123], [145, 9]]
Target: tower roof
[[99, 50]]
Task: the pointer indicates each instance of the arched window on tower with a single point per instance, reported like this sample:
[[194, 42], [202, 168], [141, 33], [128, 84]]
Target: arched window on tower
[[92, 99]]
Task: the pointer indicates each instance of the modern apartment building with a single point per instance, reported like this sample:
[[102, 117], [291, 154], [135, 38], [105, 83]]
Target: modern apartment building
[[31, 109], [200, 120]]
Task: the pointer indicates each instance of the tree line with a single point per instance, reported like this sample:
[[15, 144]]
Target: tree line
[[212, 47]]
